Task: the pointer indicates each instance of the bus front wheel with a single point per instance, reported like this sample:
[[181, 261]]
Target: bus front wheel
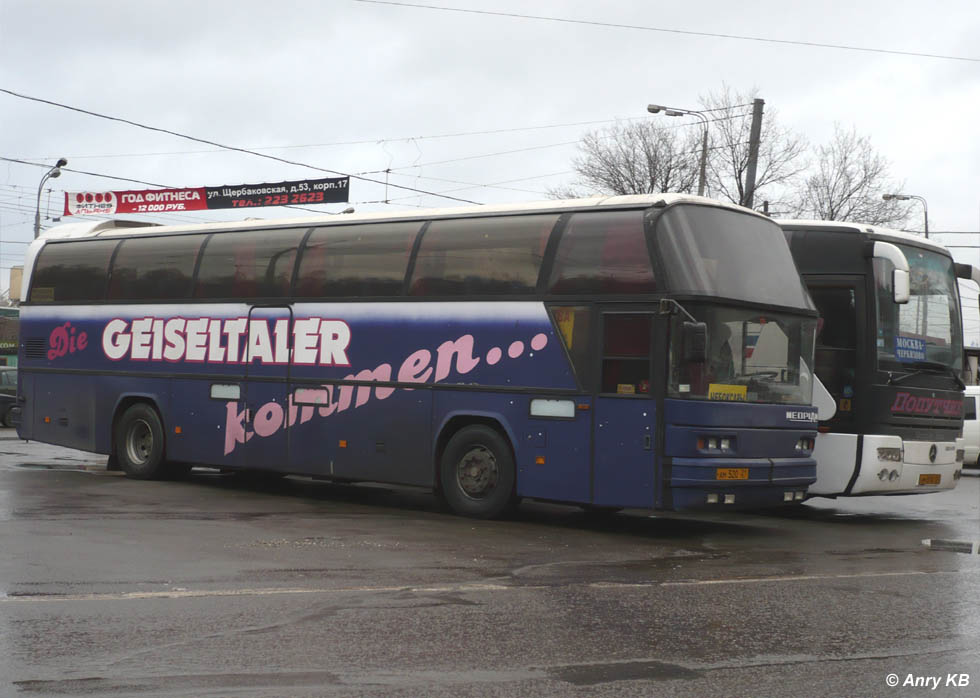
[[139, 442], [477, 473]]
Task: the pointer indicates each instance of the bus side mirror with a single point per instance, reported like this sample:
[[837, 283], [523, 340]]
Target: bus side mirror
[[901, 286], [968, 272], [695, 336]]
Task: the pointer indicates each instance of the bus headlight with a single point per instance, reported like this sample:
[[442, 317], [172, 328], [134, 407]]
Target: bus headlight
[[959, 455], [890, 454]]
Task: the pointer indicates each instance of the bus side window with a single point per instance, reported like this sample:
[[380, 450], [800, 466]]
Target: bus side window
[[969, 408], [73, 271], [626, 353], [356, 260], [603, 252], [472, 256], [573, 325], [154, 268], [250, 264]]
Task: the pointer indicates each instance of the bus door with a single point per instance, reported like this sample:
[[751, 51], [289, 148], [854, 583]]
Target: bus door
[[840, 332], [624, 431], [268, 369]]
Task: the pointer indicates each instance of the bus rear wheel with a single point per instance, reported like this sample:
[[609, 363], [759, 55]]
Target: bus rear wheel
[[139, 443], [477, 473]]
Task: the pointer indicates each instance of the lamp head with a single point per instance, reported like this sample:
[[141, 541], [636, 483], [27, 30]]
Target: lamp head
[[61, 162], [654, 108], [54, 173]]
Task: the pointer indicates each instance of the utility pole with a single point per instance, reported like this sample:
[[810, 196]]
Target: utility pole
[[754, 137]]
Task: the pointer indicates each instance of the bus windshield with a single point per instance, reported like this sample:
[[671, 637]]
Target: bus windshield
[[752, 357], [712, 252], [926, 332]]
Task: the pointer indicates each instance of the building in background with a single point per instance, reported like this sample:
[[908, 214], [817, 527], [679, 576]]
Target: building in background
[[16, 276], [971, 375], [9, 333]]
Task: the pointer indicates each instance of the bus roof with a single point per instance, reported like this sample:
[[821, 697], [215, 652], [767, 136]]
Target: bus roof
[[124, 227], [878, 232]]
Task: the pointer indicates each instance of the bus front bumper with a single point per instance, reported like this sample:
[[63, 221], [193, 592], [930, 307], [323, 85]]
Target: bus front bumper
[[739, 483], [890, 465]]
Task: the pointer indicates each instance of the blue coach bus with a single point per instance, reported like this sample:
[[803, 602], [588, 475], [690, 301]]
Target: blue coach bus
[[639, 351]]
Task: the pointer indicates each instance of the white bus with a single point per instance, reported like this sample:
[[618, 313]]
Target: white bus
[[893, 368]]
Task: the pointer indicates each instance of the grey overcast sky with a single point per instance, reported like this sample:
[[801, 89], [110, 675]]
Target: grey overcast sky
[[362, 87]]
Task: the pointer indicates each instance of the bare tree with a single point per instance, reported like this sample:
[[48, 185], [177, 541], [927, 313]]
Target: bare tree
[[847, 184], [635, 158], [782, 153]]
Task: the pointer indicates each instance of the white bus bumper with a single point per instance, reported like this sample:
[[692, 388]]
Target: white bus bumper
[[888, 465]]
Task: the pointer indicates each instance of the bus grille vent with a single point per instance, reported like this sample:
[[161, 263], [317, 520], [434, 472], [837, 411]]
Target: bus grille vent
[[34, 348]]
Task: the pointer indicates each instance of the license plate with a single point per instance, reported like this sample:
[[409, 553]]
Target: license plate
[[929, 479], [732, 474]]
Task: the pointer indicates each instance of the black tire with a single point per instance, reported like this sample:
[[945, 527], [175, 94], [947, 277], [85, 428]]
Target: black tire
[[139, 443], [477, 473], [8, 416]]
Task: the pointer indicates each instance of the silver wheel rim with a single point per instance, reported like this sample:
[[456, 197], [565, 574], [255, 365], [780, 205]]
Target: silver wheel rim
[[477, 473], [139, 442]]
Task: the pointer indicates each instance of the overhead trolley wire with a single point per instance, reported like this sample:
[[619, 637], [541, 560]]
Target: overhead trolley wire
[[225, 147], [91, 174], [665, 30], [359, 175], [495, 184], [692, 124], [378, 141], [367, 141]]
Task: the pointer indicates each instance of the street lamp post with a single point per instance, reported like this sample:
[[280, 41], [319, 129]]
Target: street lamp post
[[906, 197], [53, 172], [673, 111]]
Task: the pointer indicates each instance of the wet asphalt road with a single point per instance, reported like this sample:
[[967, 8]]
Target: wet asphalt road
[[219, 586]]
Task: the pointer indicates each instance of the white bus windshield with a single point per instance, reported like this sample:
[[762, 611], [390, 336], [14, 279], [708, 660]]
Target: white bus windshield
[[927, 330]]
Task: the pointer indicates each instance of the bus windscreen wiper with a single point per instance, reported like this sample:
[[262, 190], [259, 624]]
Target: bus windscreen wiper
[[927, 367]]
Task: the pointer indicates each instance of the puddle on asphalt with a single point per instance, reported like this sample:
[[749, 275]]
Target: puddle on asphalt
[[594, 674]]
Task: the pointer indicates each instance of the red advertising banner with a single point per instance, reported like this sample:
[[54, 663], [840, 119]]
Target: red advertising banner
[[307, 191], [135, 201]]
